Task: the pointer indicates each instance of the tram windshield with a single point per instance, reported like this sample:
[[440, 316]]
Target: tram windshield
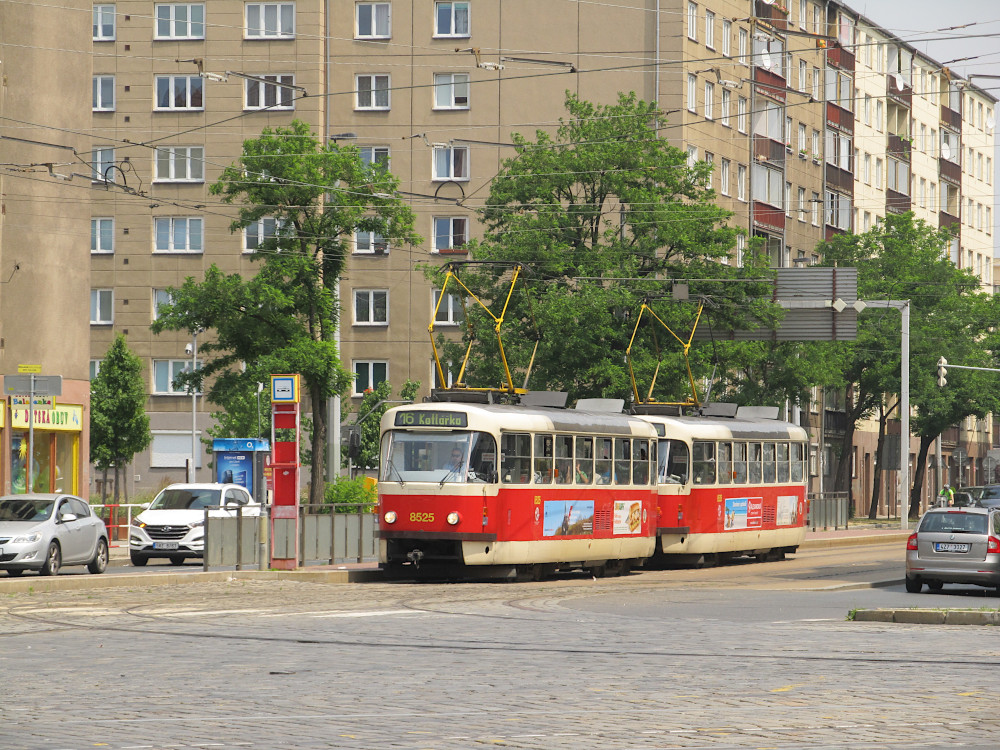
[[673, 465], [438, 457]]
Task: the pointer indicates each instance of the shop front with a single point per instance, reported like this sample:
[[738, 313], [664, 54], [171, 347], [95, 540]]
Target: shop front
[[55, 465]]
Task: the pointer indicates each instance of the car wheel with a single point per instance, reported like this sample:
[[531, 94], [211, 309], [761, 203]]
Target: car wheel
[[15, 572], [176, 560], [53, 561], [138, 560], [99, 563], [935, 585], [913, 585]]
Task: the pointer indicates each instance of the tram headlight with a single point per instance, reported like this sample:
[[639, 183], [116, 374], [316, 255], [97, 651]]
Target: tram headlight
[[453, 518], [390, 516]]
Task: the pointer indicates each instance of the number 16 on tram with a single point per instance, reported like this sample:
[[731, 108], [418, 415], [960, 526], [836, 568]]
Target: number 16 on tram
[[478, 490]]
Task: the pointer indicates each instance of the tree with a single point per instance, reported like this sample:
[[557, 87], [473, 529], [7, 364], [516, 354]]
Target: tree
[[376, 402], [119, 425], [904, 258], [283, 319], [603, 214]]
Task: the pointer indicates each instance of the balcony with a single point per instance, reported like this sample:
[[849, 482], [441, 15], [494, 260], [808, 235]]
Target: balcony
[[896, 203], [841, 58], [765, 149], [902, 95], [768, 218], [951, 118], [946, 219], [899, 146], [840, 179], [775, 14], [950, 171], [771, 84], [839, 118]]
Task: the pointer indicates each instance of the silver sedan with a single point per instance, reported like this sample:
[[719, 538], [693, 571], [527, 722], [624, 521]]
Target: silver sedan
[[954, 545], [43, 532]]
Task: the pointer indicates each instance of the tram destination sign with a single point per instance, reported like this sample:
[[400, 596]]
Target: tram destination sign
[[431, 419]]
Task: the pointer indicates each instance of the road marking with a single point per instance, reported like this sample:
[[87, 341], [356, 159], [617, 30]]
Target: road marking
[[211, 612], [373, 613]]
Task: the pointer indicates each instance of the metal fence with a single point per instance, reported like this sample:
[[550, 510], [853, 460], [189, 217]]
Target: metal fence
[[827, 510], [118, 518]]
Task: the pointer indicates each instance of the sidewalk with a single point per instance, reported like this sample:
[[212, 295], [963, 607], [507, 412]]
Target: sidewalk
[[853, 535]]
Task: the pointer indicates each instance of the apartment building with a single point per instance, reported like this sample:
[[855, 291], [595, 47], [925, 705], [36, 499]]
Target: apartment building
[[816, 120]]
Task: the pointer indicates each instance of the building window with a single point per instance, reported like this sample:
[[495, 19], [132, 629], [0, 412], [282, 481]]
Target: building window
[[866, 169], [370, 243], [259, 232], [951, 146], [180, 21], [692, 22], [449, 375], [177, 234], [372, 92], [375, 156], [741, 114], [898, 173], [692, 93], [726, 100], [768, 120], [803, 143], [710, 161], [102, 162], [165, 372], [838, 210], [742, 45], [104, 93], [369, 373], [709, 100], [451, 19], [803, 83], [741, 246], [104, 23], [767, 185], [451, 91], [802, 205], [815, 209], [816, 85], [451, 163], [270, 92], [838, 149], [692, 156], [802, 13], [102, 306], [180, 164], [450, 233], [741, 182], [788, 199], [727, 38], [270, 20], [102, 235], [816, 145], [449, 311], [724, 176], [879, 184], [878, 115], [709, 29], [372, 21], [371, 307], [179, 92], [95, 367], [161, 298]]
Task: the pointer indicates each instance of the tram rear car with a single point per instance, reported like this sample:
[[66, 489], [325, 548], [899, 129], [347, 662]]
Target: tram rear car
[[728, 488], [470, 490]]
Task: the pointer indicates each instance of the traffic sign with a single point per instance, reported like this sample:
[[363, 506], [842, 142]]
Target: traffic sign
[[285, 389], [36, 369], [36, 385]]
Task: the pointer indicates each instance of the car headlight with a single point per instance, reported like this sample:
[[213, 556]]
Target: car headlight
[[27, 538], [390, 516], [140, 524], [453, 518]]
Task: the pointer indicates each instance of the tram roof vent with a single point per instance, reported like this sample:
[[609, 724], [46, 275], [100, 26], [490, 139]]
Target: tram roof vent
[[757, 412], [553, 399], [719, 409], [659, 410], [461, 396], [604, 405]]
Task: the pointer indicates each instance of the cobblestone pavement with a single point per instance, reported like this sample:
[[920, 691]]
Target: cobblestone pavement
[[614, 663]]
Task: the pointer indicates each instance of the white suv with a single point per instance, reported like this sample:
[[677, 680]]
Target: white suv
[[173, 526]]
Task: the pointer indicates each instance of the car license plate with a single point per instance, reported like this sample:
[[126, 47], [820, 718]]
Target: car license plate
[[950, 547], [165, 545]]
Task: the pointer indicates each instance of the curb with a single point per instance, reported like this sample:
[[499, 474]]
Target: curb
[[929, 616], [854, 541]]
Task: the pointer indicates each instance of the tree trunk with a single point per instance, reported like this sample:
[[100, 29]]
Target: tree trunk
[[879, 448], [842, 482], [918, 475], [117, 472], [317, 473], [104, 486]]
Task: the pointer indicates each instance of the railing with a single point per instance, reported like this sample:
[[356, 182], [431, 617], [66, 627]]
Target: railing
[[827, 509], [118, 518]]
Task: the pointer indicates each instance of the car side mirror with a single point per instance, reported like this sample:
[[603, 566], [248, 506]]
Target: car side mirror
[[64, 517]]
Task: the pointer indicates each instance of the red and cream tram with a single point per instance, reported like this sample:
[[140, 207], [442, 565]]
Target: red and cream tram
[[494, 490], [729, 487]]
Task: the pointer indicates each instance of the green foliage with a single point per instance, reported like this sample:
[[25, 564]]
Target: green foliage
[[358, 495], [119, 426], [369, 416], [604, 214], [283, 319]]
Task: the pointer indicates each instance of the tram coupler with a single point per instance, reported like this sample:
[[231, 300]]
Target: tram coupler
[[415, 556]]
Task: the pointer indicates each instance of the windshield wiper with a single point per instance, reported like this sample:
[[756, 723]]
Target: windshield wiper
[[392, 467]]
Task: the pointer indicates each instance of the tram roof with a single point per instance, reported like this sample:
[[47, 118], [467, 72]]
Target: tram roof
[[720, 428]]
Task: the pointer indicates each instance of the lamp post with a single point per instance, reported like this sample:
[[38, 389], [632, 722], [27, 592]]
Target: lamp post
[[192, 349]]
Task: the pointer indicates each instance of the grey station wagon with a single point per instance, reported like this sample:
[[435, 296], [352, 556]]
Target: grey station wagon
[[954, 545]]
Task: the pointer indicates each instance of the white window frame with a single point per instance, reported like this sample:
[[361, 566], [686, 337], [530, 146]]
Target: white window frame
[[261, 230], [373, 92], [453, 222], [724, 168], [692, 93], [368, 299], [174, 368], [282, 12], [190, 84], [101, 159], [743, 46], [195, 28], [815, 208], [179, 164], [453, 32], [741, 114], [802, 205], [727, 34], [98, 101], [173, 225], [450, 312], [278, 88], [171, 449], [725, 106], [449, 88], [741, 182], [101, 14], [160, 297], [452, 174], [98, 224], [374, 20], [709, 100], [376, 243], [369, 365], [709, 29], [375, 156], [102, 307], [692, 21], [95, 367]]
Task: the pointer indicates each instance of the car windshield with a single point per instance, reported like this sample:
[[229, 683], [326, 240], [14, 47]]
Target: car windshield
[[990, 492], [962, 523], [25, 509], [185, 499]]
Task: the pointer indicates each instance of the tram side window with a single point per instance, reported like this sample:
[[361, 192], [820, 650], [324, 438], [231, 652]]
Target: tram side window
[[798, 462], [673, 467], [483, 459], [725, 463], [564, 459], [640, 461], [740, 463], [770, 470], [703, 457], [623, 468], [543, 459], [583, 469], [754, 459], [515, 457], [602, 466], [783, 471]]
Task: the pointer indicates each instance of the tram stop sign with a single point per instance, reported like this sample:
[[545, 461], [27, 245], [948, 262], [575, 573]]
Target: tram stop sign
[[22, 385]]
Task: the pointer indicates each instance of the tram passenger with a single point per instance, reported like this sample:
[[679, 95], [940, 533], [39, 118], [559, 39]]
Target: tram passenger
[[602, 468], [580, 475]]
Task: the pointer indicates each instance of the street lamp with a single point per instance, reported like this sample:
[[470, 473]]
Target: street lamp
[[192, 349]]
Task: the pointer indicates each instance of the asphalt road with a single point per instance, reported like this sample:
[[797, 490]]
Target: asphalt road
[[745, 656]]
